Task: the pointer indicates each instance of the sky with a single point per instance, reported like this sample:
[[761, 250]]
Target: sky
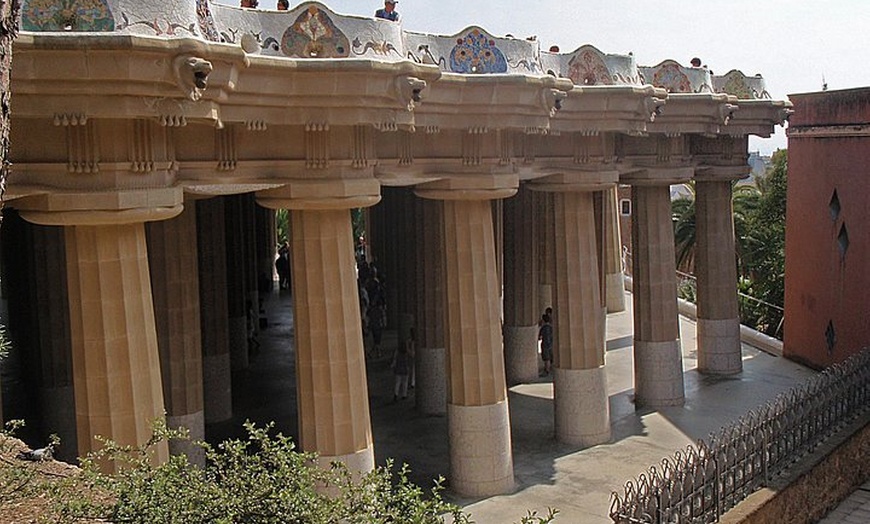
[[793, 44]]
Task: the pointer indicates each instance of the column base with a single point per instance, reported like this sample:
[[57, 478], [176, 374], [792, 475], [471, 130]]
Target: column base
[[520, 353], [238, 342], [719, 351], [481, 464], [615, 292], [217, 388], [195, 424], [59, 417], [582, 408], [658, 374], [431, 381], [361, 461]]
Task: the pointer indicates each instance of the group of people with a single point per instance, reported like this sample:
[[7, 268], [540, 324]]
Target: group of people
[[387, 13]]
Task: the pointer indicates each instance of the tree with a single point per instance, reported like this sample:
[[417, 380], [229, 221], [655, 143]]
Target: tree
[[8, 31]]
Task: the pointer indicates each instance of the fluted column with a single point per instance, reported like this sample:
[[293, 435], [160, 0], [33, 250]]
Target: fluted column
[[216, 368], [478, 419], [658, 365], [614, 280], [429, 361], [116, 365], [719, 350], [521, 311], [236, 250], [175, 286], [332, 394], [544, 234]]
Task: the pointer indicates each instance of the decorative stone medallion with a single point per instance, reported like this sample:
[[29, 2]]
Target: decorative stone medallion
[[477, 53], [314, 35], [588, 68]]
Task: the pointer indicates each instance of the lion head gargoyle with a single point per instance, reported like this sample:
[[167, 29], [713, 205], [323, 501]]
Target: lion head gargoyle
[[191, 75], [410, 90]]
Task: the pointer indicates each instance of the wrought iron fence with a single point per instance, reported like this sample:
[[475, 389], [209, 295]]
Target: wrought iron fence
[[705, 480]]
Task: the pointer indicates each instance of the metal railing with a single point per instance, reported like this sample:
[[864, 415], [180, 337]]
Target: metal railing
[[705, 480]]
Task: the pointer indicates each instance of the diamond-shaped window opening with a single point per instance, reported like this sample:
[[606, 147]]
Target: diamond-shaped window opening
[[834, 206], [843, 240], [830, 336]]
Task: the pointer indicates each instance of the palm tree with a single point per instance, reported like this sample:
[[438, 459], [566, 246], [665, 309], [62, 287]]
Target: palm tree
[[683, 215]]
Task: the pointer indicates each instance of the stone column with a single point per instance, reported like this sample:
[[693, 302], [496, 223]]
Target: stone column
[[249, 236], [582, 409], [614, 280], [719, 350], [478, 421], [215, 335], [429, 361], [266, 242], [332, 394], [234, 210], [521, 312], [543, 233], [658, 364], [173, 260]]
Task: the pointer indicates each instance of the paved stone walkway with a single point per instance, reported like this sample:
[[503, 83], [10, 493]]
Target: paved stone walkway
[[578, 482], [853, 510]]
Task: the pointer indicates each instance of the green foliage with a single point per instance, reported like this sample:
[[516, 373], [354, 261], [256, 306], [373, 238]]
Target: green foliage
[[259, 480], [5, 344], [282, 225]]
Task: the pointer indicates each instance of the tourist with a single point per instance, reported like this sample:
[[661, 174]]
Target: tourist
[[401, 370], [696, 62], [250, 4], [545, 335], [283, 5], [389, 11]]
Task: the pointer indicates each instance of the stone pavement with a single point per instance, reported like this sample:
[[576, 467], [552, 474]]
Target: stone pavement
[[853, 510], [578, 482]]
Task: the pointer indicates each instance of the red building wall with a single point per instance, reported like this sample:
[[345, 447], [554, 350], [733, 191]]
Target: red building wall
[[827, 247]]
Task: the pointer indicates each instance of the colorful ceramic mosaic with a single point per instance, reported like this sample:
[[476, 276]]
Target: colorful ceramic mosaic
[[67, 15], [735, 84], [314, 35], [206, 22], [669, 75], [477, 53], [588, 68]]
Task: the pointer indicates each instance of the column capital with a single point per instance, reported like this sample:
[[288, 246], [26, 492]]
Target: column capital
[[322, 194], [658, 175], [583, 180], [483, 186], [83, 208], [708, 173]]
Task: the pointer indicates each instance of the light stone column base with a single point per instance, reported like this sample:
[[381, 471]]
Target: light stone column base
[[361, 461], [217, 388], [615, 292], [59, 417], [582, 408], [238, 342], [658, 374], [481, 463], [431, 381], [719, 351], [545, 296], [520, 354], [195, 424]]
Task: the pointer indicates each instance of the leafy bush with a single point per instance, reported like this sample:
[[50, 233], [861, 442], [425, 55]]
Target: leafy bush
[[260, 480]]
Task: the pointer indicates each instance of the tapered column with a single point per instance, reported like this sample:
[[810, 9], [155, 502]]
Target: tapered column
[[478, 419], [266, 242], [716, 267], [116, 366], [249, 237], [658, 369], [521, 311], [216, 368], [236, 252], [175, 286], [579, 386], [614, 280], [330, 364], [429, 361], [544, 234]]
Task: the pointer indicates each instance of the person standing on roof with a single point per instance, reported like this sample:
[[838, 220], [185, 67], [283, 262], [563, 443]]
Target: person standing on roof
[[389, 11]]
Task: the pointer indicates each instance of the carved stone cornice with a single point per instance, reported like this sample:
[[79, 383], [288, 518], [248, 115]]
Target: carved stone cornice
[[76, 208], [321, 194], [601, 108], [468, 183], [492, 101], [702, 113], [571, 178]]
